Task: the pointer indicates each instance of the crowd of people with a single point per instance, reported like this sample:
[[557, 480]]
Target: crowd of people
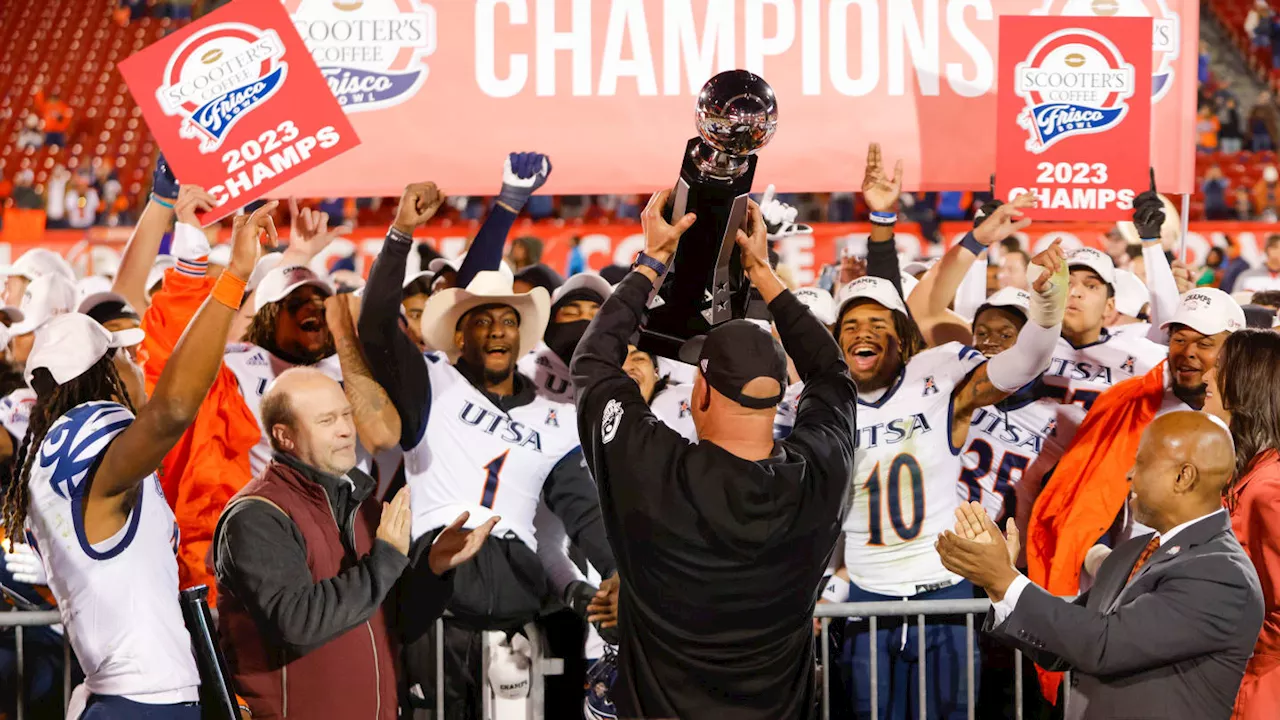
[[343, 461]]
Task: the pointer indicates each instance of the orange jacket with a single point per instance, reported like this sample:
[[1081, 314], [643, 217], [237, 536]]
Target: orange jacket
[[210, 463], [1088, 489], [1255, 517]]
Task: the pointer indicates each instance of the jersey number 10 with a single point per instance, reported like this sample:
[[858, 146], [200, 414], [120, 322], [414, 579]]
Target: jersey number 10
[[906, 530]]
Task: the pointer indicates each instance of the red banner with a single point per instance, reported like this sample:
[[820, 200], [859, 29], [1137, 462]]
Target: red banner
[[607, 87], [237, 104], [604, 244], [1073, 122]]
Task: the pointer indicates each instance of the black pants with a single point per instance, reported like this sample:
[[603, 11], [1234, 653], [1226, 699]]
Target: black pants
[[501, 589]]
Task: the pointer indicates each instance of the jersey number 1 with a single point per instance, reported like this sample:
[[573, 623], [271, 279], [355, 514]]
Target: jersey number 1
[[905, 530], [491, 479]]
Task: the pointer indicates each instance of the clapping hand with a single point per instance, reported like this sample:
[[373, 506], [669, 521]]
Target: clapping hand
[[978, 551], [455, 545]]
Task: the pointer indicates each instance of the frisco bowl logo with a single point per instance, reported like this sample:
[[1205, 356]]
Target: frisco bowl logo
[[1164, 34], [218, 76], [372, 52], [1075, 83]]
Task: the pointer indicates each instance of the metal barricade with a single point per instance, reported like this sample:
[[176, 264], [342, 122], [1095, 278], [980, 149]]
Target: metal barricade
[[825, 612], [921, 609]]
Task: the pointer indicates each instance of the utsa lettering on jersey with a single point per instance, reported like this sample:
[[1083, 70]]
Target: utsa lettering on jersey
[[477, 438]]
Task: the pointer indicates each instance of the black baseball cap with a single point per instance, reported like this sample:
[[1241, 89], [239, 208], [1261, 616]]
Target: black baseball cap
[[734, 354]]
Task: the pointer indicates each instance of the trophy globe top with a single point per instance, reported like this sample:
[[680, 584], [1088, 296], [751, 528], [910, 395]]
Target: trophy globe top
[[737, 113]]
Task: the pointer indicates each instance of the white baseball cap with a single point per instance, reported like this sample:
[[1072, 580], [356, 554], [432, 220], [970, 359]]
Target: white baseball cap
[[1095, 260], [280, 281], [1011, 298], [92, 285], [919, 266], [909, 284], [39, 261], [1131, 293], [71, 343], [854, 246], [819, 302], [871, 288], [46, 297], [1207, 310], [265, 264], [588, 281]]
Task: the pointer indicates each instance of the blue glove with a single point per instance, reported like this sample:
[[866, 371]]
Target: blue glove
[[522, 175], [163, 184]]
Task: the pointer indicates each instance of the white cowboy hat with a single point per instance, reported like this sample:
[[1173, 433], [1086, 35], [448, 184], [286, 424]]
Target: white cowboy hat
[[444, 309]]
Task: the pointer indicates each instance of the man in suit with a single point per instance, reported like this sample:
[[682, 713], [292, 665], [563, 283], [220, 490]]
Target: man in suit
[[1171, 620]]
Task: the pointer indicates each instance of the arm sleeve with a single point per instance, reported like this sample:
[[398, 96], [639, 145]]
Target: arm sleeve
[[1188, 617], [168, 316], [617, 429], [1163, 289], [485, 252], [830, 398], [395, 362], [1026, 360], [262, 558], [882, 262], [973, 289], [571, 494]]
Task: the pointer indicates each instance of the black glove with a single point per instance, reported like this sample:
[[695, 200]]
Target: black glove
[[1148, 215], [163, 184]]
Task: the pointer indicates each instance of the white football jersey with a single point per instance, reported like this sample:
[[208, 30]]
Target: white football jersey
[[548, 372], [118, 598], [1004, 440], [673, 407], [255, 368], [785, 420], [1075, 378], [15, 413], [1138, 329], [904, 476], [475, 457]]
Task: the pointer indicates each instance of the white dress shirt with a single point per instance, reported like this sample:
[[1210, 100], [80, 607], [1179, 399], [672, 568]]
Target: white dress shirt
[[1010, 600]]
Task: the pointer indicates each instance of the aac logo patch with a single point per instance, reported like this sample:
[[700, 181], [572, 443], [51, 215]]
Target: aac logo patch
[[610, 421], [218, 76]]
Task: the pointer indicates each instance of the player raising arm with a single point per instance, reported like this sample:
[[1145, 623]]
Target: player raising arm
[[86, 494]]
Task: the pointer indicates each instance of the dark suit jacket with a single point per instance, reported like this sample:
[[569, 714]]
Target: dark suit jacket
[[1172, 644]]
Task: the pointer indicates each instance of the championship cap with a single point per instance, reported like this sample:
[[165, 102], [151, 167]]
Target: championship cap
[[37, 262], [71, 343], [1095, 260], [280, 281], [820, 303], [1208, 311], [1131, 293], [265, 264], [45, 297], [92, 285], [1009, 298], [735, 353], [876, 289]]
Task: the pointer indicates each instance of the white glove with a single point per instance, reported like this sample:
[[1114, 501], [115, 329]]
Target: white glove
[[189, 242], [25, 565], [776, 212], [509, 665]]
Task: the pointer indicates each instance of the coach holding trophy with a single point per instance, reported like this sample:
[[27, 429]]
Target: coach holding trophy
[[720, 545]]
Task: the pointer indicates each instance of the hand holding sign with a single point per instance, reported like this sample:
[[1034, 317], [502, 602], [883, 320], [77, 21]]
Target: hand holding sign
[[1148, 212], [245, 243]]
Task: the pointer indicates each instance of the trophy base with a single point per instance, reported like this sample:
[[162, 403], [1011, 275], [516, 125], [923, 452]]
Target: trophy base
[[705, 284]]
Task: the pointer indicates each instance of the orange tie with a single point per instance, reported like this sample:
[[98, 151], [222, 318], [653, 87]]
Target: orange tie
[[1152, 545]]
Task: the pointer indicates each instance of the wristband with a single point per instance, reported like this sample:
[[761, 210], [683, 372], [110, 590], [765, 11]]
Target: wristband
[[970, 243], [650, 262], [162, 202], [229, 290], [883, 218], [397, 236], [836, 589]]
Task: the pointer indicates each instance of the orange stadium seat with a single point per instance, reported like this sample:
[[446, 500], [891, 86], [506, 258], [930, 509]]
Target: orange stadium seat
[[72, 48]]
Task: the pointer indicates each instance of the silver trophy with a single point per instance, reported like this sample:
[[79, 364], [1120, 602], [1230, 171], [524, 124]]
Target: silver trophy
[[736, 115]]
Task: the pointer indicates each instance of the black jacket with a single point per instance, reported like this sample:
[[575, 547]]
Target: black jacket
[[720, 558]]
